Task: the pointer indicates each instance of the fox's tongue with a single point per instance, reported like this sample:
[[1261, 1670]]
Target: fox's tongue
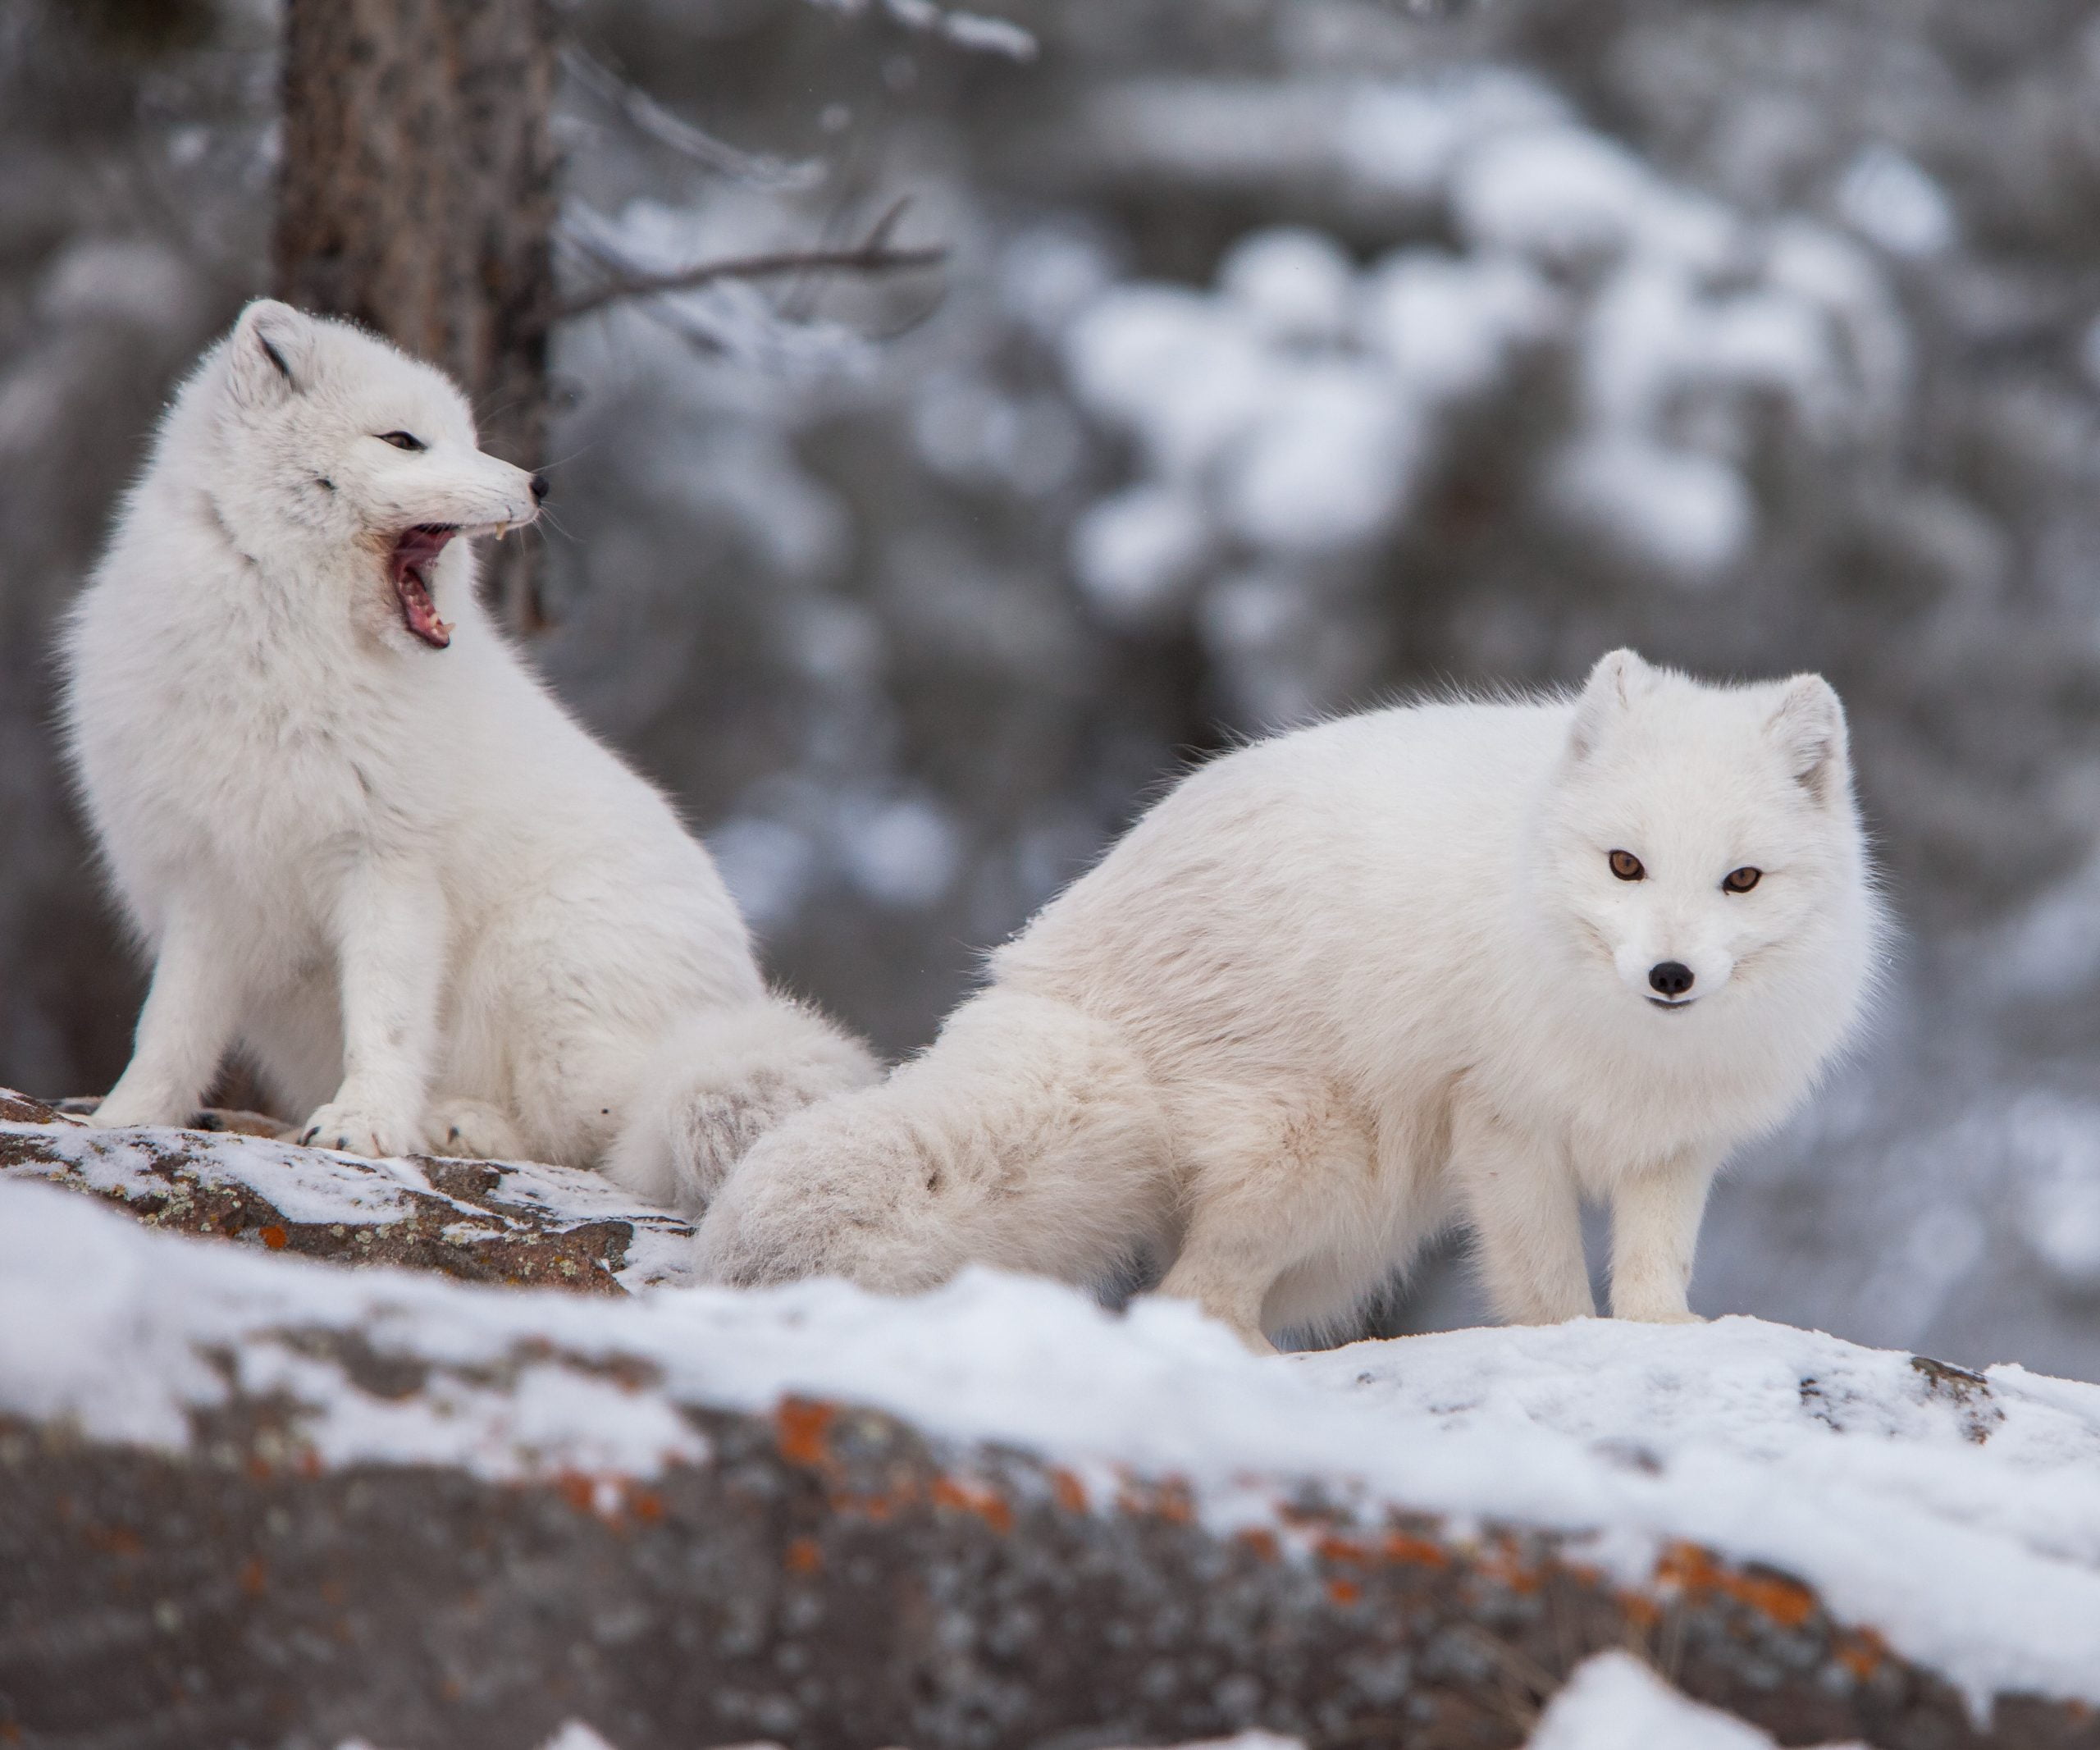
[[415, 552]]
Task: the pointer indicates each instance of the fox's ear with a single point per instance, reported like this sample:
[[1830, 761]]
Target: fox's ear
[[270, 357], [1619, 678], [1808, 728]]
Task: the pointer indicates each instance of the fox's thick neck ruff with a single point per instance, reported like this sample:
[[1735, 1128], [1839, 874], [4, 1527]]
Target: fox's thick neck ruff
[[409, 565]]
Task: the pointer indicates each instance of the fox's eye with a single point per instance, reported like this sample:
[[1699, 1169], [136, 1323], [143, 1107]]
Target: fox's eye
[[1742, 880], [1626, 866], [402, 441]]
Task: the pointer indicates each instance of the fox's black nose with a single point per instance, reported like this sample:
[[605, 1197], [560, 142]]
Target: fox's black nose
[[541, 487], [1671, 978]]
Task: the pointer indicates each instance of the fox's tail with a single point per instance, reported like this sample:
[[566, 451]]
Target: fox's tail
[[717, 1083], [1027, 1136]]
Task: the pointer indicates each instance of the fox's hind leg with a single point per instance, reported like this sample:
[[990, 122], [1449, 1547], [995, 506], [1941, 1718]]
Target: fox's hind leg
[[1027, 1137], [1275, 1186]]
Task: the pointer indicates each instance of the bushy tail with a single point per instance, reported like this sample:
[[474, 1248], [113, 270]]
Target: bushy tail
[[717, 1083], [1026, 1137]]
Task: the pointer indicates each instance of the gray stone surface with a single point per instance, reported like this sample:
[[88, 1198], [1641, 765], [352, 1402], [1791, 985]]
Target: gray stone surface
[[820, 1574]]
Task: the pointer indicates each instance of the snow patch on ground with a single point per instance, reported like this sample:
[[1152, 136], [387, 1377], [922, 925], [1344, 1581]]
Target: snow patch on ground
[[1615, 1702], [1957, 1515], [306, 1184]]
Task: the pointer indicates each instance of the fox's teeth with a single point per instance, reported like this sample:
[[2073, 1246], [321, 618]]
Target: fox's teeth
[[501, 530]]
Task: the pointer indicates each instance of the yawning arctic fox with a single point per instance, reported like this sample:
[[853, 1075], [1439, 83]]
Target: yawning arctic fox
[[361, 841], [1464, 961]]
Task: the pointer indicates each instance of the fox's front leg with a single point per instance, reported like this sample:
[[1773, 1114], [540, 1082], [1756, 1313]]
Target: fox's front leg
[[391, 933], [191, 1013], [1655, 1230], [1526, 1218]]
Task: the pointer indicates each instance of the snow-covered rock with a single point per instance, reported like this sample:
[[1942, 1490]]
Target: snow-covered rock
[[382, 1503]]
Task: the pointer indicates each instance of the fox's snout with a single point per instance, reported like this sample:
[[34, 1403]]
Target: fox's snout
[[1671, 978]]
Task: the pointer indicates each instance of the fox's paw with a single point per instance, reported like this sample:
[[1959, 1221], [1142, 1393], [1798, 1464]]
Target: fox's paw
[[351, 1132], [1661, 1315], [471, 1131], [116, 1113]]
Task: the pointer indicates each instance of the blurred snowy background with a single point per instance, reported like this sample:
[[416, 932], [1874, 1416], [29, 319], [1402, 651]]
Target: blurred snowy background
[[1289, 353]]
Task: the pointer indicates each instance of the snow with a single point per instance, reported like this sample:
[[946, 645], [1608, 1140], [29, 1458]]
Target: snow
[[1298, 404], [1445, 323], [1406, 138], [1889, 200], [317, 1186], [305, 1185], [2055, 1146], [902, 852], [1960, 1520], [1612, 1701], [1327, 465], [1293, 284], [1137, 552], [1187, 374], [1689, 513], [1567, 193]]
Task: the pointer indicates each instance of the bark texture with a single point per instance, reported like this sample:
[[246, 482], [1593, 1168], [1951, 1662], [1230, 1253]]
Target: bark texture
[[418, 198]]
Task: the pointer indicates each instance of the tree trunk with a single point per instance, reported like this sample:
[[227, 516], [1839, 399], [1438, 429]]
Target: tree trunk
[[418, 198]]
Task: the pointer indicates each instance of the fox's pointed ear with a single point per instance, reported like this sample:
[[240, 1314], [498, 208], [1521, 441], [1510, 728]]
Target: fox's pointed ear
[[1808, 728], [1619, 678], [270, 356]]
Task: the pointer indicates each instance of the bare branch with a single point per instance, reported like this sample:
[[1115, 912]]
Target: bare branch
[[648, 117], [872, 255], [998, 36]]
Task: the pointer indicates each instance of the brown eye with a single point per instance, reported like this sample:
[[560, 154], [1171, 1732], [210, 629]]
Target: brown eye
[[402, 441], [1626, 866], [1742, 880]]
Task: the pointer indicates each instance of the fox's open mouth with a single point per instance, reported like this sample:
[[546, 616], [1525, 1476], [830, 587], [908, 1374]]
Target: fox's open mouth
[[415, 551]]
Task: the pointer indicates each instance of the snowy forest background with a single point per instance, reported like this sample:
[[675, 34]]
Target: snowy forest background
[[1287, 354]]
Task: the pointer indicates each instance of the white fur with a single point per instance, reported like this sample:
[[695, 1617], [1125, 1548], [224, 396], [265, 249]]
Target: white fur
[[433, 911], [1345, 986]]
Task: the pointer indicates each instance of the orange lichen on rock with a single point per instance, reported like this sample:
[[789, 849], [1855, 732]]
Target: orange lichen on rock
[[1861, 1651], [1640, 1609], [1168, 1499], [801, 1425], [1401, 1546], [877, 1505], [1068, 1491], [1331, 1548], [1692, 1570], [804, 1555], [1503, 1562], [1262, 1542], [964, 1496]]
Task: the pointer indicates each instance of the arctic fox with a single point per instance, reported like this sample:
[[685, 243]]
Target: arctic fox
[[1461, 962], [361, 841]]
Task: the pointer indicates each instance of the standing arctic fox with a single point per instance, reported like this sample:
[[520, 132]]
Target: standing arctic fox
[[1457, 961], [361, 841]]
